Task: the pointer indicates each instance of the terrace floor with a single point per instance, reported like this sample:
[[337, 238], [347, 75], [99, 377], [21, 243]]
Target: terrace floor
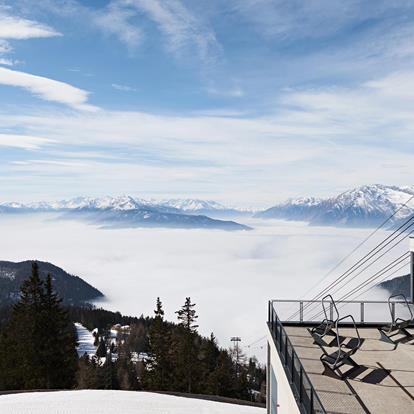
[[384, 383]]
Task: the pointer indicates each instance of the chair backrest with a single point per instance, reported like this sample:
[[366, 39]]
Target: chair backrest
[[328, 299], [391, 306], [353, 349]]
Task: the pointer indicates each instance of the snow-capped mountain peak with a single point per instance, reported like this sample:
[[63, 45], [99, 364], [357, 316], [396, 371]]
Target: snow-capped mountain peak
[[367, 205], [190, 204]]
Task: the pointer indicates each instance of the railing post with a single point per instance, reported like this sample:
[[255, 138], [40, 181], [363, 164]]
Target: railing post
[[301, 384], [269, 313], [393, 311], [301, 311], [275, 324], [311, 401], [362, 312], [331, 310]]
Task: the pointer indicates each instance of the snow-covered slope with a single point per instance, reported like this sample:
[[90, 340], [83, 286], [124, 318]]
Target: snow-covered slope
[[111, 402], [207, 207], [363, 206], [191, 204], [85, 341]]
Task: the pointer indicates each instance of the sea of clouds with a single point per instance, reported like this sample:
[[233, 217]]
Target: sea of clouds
[[229, 275]]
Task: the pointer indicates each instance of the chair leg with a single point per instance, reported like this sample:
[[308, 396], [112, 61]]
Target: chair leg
[[386, 338]]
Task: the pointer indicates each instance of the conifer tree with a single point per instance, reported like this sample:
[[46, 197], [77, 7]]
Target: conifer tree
[[86, 374], [59, 354], [185, 344], [209, 354], [40, 339], [102, 350], [221, 380], [187, 316], [158, 366]]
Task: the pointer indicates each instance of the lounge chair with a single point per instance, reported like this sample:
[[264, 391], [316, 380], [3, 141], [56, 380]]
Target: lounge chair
[[398, 325]]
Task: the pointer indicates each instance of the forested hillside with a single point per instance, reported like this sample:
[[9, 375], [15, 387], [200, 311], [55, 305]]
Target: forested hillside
[[72, 289], [133, 353]]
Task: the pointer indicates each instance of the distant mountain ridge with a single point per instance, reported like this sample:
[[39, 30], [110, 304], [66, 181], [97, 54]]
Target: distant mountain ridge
[[123, 203], [364, 206], [127, 211], [397, 285], [72, 289]]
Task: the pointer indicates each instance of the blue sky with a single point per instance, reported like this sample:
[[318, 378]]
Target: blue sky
[[243, 101]]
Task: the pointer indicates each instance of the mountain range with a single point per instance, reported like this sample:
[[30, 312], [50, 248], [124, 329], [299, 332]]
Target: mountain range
[[365, 206], [72, 289], [126, 211]]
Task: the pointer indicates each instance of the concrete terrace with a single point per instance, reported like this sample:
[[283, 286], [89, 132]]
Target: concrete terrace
[[384, 382]]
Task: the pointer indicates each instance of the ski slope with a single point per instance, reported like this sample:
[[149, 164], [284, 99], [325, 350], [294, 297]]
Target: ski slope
[[85, 341], [113, 402]]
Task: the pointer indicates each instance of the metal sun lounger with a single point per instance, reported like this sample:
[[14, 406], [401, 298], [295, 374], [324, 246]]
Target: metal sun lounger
[[325, 327], [342, 356], [398, 325]]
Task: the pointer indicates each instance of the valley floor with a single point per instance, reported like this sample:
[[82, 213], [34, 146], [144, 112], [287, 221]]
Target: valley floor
[[112, 402]]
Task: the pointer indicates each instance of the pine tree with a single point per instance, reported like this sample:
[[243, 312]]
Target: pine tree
[[86, 374], [40, 339], [157, 375], [187, 316], [102, 350], [186, 344], [209, 354], [222, 380], [59, 354]]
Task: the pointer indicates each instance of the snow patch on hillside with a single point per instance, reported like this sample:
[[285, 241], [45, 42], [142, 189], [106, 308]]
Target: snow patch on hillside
[[110, 402], [85, 341]]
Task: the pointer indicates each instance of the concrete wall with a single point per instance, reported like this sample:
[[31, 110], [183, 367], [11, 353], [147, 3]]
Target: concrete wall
[[280, 398]]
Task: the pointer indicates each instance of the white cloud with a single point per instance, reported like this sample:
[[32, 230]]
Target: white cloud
[[335, 137], [116, 19], [167, 260], [23, 141], [7, 62], [47, 89], [123, 88], [182, 29], [232, 92], [298, 19], [4, 46], [12, 27]]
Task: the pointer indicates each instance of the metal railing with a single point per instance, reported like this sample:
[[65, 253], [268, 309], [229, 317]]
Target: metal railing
[[364, 312], [306, 396]]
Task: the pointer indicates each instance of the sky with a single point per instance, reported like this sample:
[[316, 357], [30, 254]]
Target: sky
[[247, 102]]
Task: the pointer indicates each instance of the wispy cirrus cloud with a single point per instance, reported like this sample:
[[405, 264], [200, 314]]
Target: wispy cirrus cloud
[[123, 88], [181, 27], [360, 131], [12, 27], [120, 21], [297, 19], [4, 46], [23, 141], [17, 28], [7, 62], [47, 89]]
